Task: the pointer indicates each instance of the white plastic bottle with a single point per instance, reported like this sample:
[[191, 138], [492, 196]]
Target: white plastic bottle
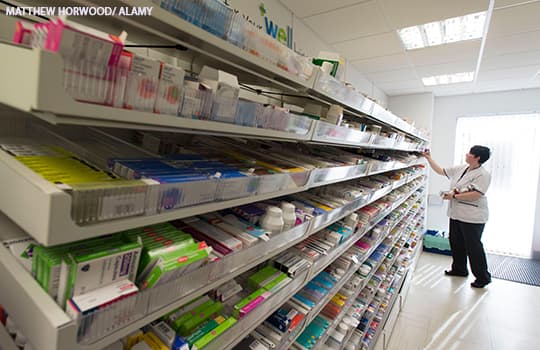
[[289, 215], [273, 220], [352, 221], [20, 340], [11, 327]]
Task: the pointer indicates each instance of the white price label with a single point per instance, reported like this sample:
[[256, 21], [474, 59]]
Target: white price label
[[120, 206], [355, 260]]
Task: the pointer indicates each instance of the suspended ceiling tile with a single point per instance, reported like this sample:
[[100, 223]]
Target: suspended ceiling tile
[[460, 51], [378, 64], [511, 60], [446, 68], [505, 84], [398, 85], [402, 14], [452, 89], [523, 42], [400, 92], [393, 76], [305, 8], [352, 22], [370, 46], [504, 3], [519, 73], [513, 20]]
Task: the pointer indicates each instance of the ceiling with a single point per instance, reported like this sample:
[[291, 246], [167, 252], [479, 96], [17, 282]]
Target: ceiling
[[365, 33]]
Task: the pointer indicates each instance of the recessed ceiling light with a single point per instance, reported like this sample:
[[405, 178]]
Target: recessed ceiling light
[[443, 32], [448, 79]]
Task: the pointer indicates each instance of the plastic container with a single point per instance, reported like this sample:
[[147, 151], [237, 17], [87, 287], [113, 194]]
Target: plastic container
[[289, 215], [273, 220]]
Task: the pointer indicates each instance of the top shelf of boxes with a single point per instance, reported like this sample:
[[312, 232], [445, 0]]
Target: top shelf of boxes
[[57, 85]]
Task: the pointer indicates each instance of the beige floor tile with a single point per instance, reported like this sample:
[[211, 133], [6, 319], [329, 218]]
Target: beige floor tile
[[445, 313], [509, 339]]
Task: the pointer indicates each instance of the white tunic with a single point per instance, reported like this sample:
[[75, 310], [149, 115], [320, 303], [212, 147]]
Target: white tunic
[[478, 180]]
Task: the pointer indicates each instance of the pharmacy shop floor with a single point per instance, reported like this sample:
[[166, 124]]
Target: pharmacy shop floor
[[445, 313]]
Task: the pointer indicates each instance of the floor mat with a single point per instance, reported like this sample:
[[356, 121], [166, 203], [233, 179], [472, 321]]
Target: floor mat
[[519, 270]]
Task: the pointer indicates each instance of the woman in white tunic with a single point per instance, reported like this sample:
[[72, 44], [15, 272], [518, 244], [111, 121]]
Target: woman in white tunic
[[468, 213]]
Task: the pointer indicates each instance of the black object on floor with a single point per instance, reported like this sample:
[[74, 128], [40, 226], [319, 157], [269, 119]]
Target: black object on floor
[[514, 269]]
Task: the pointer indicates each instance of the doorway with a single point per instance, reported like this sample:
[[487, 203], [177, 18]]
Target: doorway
[[514, 165]]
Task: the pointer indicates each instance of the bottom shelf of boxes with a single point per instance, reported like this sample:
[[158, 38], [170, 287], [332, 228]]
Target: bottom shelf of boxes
[[331, 259], [381, 262], [104, 327], [324, 302], [381, 300], [380, 318]]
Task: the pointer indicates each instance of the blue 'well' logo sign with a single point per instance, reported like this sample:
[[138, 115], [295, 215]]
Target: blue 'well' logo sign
[[282, 35]]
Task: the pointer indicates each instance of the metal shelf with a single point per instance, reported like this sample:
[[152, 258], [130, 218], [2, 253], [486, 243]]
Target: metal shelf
[[6, 342], [173, 29], [362, 286], [40, 91], [246, 325], [44, 210], [50, 322], [323, 221], [373, 341], [348, 305], [327, 133], [390, 306], [350, 300], [25, 297], [319, 267], [327, 87]]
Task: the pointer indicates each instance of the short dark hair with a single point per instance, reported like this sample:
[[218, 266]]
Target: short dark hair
[[480, 151]]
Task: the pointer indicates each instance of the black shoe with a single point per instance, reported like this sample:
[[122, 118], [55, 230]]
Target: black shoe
[[454, 273], [480, 284]]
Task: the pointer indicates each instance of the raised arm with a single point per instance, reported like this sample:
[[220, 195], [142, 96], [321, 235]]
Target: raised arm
[[433, 164]]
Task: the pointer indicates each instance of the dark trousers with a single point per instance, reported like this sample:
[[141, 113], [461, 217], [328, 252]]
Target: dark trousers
[[465, 241]]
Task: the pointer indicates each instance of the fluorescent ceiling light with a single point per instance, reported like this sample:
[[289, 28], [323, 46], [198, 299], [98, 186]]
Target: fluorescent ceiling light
[[443, 32], [448, 79]]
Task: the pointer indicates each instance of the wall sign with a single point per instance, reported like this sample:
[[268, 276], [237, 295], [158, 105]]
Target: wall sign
[[283, 35], [270, 16]]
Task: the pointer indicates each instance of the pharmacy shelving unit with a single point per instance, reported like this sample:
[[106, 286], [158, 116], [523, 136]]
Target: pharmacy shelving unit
[[32, 206], [386, 325], [371, 315], [316, 310], [164, 27], [398, 280], [321, 341], [238, 332], [26, 296], [39, 91]]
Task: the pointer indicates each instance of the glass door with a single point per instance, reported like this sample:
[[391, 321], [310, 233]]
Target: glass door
[[514, 141]]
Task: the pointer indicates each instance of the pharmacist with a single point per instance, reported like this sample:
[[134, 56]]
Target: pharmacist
[[468, 213]]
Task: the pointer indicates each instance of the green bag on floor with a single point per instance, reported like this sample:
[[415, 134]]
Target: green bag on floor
[[436, 242]]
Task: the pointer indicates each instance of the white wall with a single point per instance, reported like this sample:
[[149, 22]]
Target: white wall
[[446, 112], [415, 107], [7, 27], [358, 79]]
